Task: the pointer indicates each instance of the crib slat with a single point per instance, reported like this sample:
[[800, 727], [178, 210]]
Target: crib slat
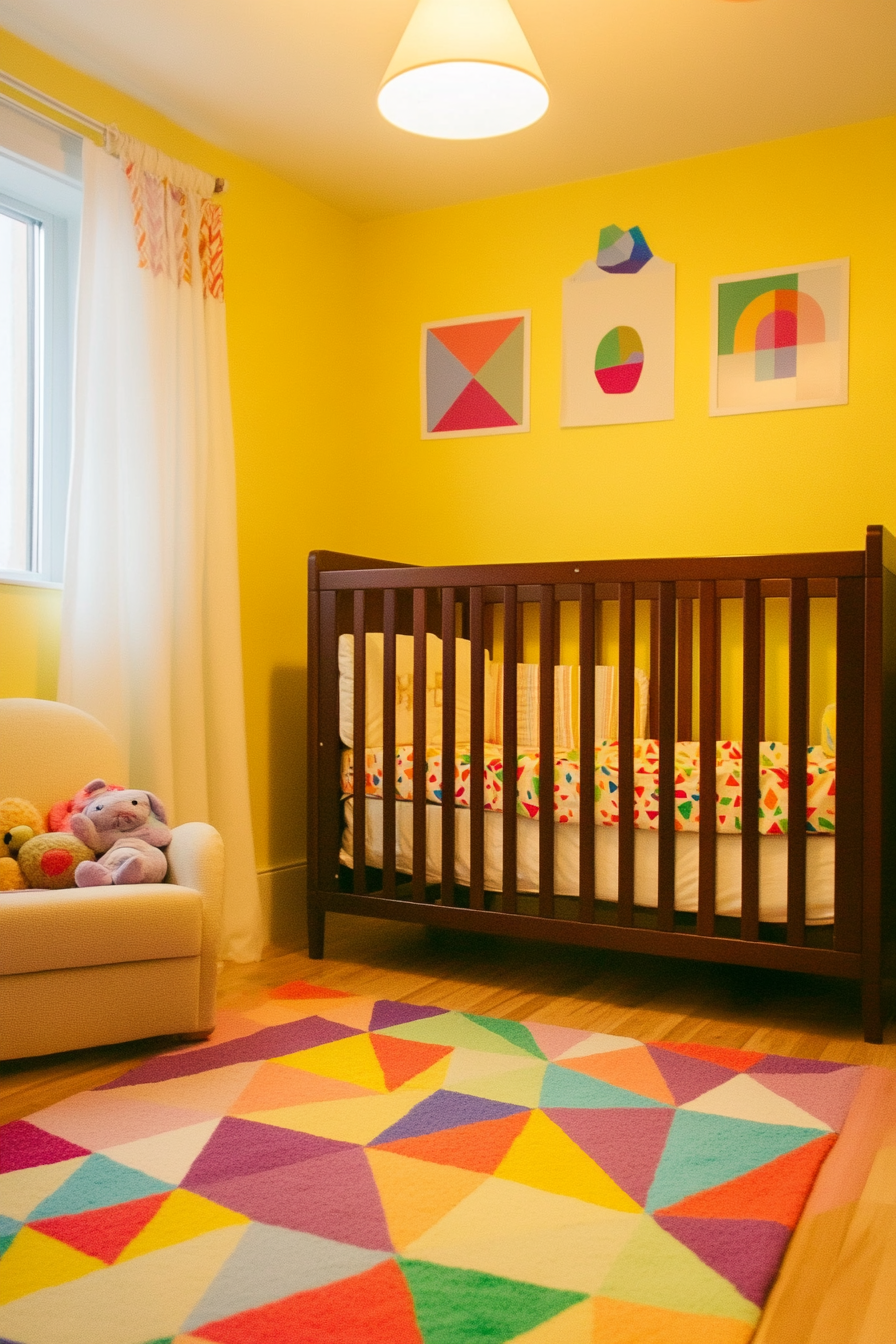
[[685, 669], [848, 855], [625, 912], [665, 702], [389, 742], [798, 735], [653, 707], [587, 637], [418, 878], [749, 782], [477, 752], [546, 624], [359, 731], [327, 804], [449, 735], [706, 894], [509, 751]]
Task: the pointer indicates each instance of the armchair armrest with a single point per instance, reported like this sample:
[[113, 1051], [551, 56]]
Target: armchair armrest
[[196, 860]]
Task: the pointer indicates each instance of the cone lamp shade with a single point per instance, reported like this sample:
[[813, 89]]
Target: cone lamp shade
[[463, 71]]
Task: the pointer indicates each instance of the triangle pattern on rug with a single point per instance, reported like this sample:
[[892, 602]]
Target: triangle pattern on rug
[[455, 1306], [445, 1110], [565, 1087], [368, 1308], [103, 1233], [401, 1061], [619, 1322], [828, 1096], [35, 1261], [352, 1060], [167, 1156], [746, 1252], [181, 1217], [454, 1029], [626, 1144], [278, 1085], [416, 1194], [97, 1184], [634, 1070], [656, 1269], [685, 1076], [241, 1147], [744, 1098], [546, 1157], [516, 1032], [24, 1145], [707, 1150], [357, 1120], [776, 1191], [271, 1263], [333, 1197], [390, 1013], [723, 1055], [479, 1147]]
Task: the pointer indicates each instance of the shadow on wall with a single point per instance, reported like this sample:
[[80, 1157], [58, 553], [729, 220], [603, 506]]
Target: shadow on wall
[[287, 800]]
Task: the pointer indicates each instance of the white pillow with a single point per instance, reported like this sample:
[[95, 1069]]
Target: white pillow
[[404, 691]]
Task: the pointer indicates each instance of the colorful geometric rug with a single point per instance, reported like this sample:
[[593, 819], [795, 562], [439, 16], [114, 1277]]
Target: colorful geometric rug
[[331, 1169]]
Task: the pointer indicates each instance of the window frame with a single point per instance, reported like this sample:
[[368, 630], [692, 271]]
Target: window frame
[[49, 206]]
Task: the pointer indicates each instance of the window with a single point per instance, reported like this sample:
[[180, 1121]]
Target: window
[[40, 203]]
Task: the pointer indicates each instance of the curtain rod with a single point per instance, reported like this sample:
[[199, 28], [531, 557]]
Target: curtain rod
[[72, 113]]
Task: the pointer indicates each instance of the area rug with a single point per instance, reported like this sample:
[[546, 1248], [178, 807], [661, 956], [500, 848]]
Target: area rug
[[331, 1169]]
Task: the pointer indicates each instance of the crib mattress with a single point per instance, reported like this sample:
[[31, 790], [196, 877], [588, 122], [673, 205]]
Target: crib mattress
[[820, 852]]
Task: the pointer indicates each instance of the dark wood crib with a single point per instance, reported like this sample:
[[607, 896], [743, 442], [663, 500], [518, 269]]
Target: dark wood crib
[[355, 594]]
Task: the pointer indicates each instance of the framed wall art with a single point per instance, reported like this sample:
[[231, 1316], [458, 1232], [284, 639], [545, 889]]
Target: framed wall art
[[780, 339], [474, 376]]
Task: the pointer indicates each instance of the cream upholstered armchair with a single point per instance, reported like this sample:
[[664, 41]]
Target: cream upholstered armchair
[[97, 965]]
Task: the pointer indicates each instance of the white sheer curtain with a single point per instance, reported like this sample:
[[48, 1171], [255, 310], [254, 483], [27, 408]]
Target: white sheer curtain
[[150, 613]]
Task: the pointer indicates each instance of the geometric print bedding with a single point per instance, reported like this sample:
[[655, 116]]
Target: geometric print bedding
[[332, 1169], [774, 784]]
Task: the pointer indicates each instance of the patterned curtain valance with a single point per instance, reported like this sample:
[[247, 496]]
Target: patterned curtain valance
[[177, 224]]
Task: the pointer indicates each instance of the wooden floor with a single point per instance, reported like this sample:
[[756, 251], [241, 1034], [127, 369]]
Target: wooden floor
[[650, 998]]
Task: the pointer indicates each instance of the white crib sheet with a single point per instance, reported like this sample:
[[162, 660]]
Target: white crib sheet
[[772, 861]]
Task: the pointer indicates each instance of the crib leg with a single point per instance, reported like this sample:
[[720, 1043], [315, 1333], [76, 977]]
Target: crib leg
[[872, 1010], [317, 917]]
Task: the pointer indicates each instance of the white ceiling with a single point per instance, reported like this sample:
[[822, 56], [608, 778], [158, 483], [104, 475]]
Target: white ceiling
[[292, 83]]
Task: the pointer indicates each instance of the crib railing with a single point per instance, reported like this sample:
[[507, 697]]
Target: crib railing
[[355, 595]]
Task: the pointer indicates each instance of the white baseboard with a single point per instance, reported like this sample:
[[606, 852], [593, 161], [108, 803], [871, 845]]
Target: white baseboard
[[282, 892]]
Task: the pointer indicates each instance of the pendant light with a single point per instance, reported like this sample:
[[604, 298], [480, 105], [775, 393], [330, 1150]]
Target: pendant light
[[463, 71]]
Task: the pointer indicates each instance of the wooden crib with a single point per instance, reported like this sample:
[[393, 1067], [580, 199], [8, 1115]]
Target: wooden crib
[[355, 594]]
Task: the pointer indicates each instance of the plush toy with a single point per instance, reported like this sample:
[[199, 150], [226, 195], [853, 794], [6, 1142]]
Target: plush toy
[[128, 828], [49, 861], [61, 814], [15, 813]]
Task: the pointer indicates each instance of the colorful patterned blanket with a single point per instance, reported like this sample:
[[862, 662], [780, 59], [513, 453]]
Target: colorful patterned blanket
[[774, 784]]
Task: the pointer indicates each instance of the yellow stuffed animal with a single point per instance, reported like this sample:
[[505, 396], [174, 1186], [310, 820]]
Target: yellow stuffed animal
[[15, 812]]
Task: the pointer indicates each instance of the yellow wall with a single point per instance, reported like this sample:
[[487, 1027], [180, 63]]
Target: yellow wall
[[287, 276], [789, 480], [324, 322]]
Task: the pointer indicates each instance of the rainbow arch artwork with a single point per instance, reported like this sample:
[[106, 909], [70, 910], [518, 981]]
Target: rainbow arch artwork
[[474, 376], [780, 339]]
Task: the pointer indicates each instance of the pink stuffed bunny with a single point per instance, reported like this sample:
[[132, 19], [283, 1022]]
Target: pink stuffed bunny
[[128, 828]]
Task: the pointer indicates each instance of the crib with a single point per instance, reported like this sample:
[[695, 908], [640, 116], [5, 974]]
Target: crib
[[681, 602]]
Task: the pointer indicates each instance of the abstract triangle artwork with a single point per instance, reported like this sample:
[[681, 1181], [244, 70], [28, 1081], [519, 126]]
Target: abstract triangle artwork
[[475, 376], [431, 1177]]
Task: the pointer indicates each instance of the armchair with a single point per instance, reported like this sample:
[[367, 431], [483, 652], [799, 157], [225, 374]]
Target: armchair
[[97, 965]]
